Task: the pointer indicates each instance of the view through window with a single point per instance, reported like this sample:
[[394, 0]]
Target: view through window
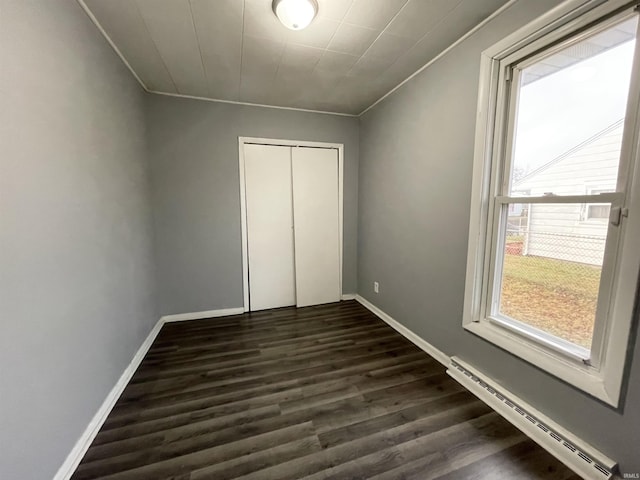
[[567, 137]]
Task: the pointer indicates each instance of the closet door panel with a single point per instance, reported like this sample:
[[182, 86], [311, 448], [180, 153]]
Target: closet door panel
[[316, 220], [269, 226]]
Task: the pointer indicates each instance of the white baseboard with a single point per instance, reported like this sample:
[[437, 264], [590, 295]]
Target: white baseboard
[[182, 317], [442, 357], [573, 458], [84, 442], [561, 452], [82, 445], [575, 453]]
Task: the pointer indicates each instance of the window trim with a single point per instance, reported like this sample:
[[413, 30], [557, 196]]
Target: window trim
[[602, 377]]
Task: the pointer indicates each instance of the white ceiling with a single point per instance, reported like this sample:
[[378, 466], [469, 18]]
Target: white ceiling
[[353, 53]]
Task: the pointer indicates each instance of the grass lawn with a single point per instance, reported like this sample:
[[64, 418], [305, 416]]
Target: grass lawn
[[556, 296]]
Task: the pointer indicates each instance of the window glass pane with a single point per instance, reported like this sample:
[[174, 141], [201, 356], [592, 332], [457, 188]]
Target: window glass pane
[[597, 211], [551, 270], [600, 212], [570, 112]]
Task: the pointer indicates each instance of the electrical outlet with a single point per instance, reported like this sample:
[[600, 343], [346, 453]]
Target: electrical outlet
[[376, 287]]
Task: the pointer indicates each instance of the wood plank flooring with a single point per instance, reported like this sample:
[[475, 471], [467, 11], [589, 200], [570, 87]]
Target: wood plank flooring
[[327, 392]]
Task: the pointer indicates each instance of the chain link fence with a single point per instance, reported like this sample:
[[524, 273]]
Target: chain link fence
[[551, 281], [582, 249]]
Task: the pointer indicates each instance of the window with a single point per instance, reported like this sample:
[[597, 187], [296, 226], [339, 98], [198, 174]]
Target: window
[[597, 211], [548, 263]]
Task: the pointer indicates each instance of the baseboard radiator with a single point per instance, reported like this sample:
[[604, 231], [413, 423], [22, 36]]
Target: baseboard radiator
[[582, 459]]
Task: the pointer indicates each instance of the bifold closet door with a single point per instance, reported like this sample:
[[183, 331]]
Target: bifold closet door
[[269, 226], [317, 229]]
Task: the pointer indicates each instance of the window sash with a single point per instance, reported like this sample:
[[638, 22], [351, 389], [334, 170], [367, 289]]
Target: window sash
[[494, 266], [499, 206]]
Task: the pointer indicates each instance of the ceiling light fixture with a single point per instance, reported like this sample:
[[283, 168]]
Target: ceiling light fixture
[[295, 14]]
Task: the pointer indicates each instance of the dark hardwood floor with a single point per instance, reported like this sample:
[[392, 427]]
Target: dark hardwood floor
[[328, 392]]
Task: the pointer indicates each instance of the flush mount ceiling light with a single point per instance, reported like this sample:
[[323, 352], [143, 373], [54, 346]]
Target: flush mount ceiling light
[[295, 14]]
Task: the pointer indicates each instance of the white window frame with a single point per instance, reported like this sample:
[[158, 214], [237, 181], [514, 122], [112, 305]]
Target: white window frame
[[600, 375]]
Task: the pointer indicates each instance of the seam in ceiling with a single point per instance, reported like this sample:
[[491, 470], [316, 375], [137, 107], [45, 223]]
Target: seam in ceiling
[[244, 7], [164, 63], [404, 5], [195, 33], [442, 53], [390, 92]]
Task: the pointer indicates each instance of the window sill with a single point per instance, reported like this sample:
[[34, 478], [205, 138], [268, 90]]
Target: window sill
[[577, 374], [538, 337]]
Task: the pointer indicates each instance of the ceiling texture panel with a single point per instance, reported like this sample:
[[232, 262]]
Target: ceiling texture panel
[[260, 60], [390, 46], [335, 62], [351, 55], [317, 35], [171, 26], [352, 39], [219, 33], [375, 14], [334, 9], [441, 35], [259, 21], [122, 22], [419, 17]]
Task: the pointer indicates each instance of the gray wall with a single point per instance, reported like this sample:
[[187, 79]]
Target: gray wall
[[76, 262], [196, 197], [415, 181]]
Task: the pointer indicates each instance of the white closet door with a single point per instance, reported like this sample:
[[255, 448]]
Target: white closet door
[[317, 234], [269, 226]]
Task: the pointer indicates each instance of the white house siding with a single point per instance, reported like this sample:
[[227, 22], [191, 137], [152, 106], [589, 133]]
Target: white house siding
[[562, 231]]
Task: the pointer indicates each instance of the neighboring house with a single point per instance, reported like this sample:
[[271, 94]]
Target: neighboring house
[[555, 230]]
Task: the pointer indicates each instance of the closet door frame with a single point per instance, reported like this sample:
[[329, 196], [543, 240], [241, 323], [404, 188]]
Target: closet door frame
[[243, 199]]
